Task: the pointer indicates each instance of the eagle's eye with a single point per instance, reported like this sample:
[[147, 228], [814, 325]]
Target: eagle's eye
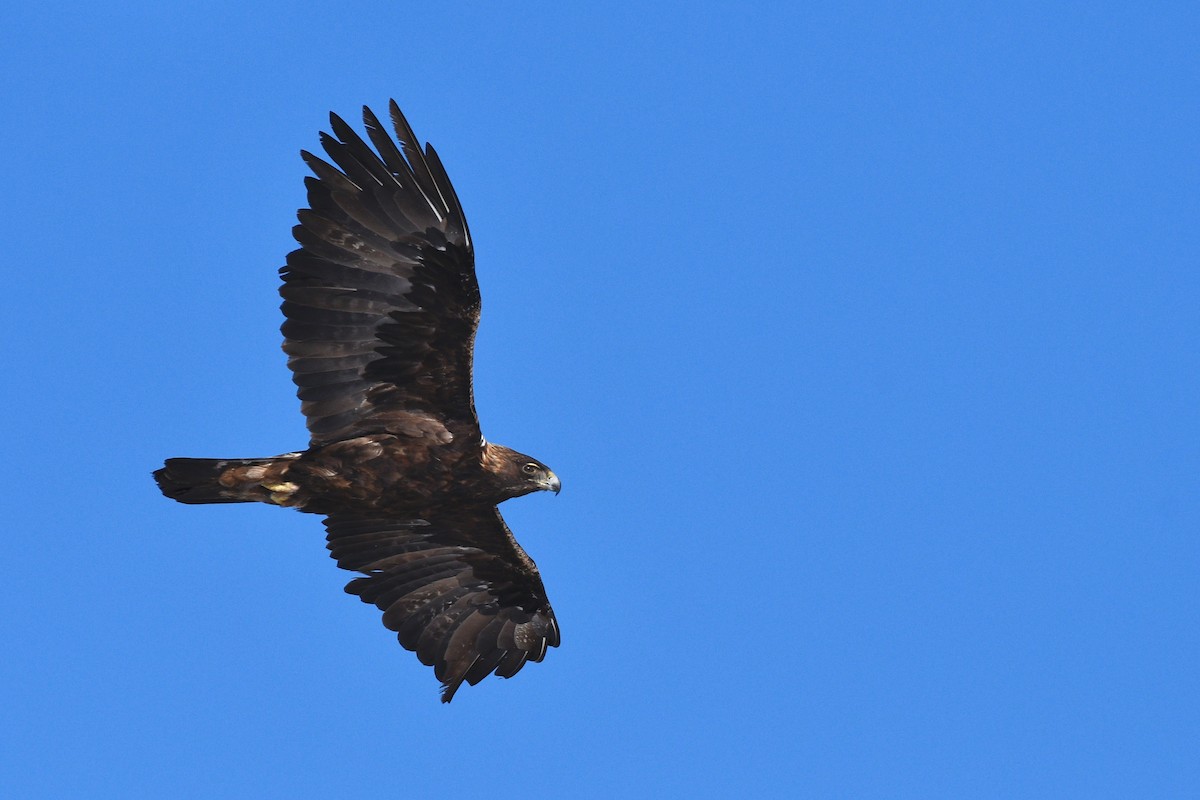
[[529, 469]]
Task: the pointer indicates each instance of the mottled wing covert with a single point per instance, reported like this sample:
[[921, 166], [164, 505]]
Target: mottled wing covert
[[381, 298], [456, 587]]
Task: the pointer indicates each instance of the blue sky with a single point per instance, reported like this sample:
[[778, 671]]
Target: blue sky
[[862, 336]]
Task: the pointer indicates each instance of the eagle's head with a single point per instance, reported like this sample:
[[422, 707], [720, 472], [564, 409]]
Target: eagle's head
[[516, 473]]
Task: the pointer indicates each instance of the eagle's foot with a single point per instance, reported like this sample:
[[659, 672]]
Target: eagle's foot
[[282, 493]]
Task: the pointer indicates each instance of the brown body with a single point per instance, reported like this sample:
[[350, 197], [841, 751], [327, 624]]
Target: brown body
[[381, 307], [381, 473]]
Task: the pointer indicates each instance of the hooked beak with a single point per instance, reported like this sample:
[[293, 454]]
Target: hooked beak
[[551, 483]]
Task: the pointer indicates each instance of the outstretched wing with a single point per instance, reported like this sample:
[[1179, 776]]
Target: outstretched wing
[[381, 298], [455, 586]]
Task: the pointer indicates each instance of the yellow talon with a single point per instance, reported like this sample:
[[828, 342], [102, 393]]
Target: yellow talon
[[281, 488]]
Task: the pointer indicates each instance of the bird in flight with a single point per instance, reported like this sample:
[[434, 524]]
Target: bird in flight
[[381, 305]]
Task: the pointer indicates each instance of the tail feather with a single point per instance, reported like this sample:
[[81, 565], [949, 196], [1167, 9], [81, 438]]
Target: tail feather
[[216, 480]]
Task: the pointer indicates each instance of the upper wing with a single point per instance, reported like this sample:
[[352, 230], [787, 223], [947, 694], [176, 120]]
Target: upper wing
[[381, 298], [455, 586]]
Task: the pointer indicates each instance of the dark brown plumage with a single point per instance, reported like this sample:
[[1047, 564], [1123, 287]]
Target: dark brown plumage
[[382, 305]]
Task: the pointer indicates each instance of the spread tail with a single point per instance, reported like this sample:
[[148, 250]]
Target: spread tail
[[220, 480]]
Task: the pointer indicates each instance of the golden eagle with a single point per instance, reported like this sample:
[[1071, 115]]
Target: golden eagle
[[382, 305]]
